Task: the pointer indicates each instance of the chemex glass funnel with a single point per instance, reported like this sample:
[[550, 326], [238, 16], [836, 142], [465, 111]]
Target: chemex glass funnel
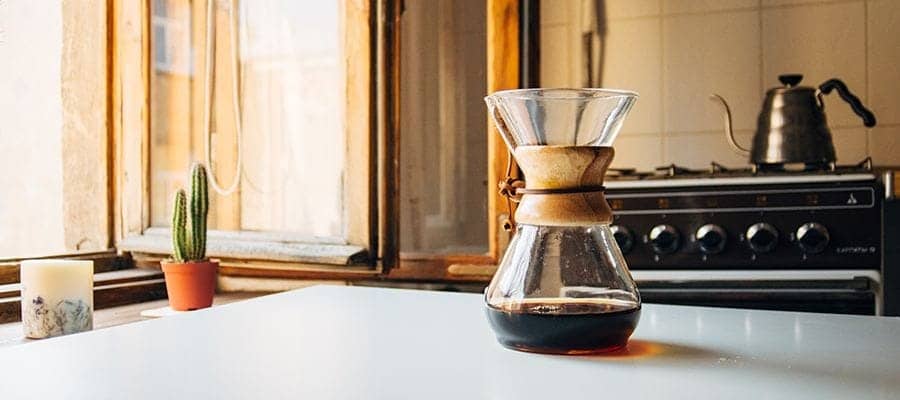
[[563, 286], [560, 117]]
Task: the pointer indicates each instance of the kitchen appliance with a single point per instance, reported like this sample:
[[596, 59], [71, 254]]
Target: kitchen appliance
[[803, 240], [562, 286], [792, 127]]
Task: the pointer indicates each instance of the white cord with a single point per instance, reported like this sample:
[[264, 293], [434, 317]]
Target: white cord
[[207, 96]]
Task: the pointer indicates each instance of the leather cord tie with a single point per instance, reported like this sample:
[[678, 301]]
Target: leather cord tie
[[510, 189], [574, 190], [513, 189]]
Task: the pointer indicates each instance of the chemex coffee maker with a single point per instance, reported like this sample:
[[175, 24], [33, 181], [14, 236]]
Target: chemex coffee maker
[[563, 286]]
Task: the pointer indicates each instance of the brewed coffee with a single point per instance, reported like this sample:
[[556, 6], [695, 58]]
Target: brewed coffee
[[564, 326]]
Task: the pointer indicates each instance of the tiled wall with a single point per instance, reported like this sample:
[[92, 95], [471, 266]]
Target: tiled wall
[[676, 52]]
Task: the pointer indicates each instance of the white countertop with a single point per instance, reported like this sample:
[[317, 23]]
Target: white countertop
[[367, 343]]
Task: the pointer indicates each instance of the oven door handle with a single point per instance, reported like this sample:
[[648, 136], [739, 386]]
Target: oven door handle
[[859, 283], [844, 291]]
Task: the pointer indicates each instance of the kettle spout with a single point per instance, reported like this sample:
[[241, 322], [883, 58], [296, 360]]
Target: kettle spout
[[729, 132]]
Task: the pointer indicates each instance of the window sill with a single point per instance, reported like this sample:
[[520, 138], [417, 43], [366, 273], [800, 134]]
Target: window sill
[[253, 246]]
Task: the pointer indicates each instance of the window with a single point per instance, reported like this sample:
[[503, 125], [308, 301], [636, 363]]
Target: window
[[452, 162], [286, 136], [444, 146], [344, 152], [327, 189], [286, 158]]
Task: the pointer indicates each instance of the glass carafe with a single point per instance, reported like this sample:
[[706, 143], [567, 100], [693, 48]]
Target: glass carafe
[[563, 286]]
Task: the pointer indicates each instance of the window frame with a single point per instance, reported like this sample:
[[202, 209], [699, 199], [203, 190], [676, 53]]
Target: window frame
[[502, 72], [131, 68], [373, 154]]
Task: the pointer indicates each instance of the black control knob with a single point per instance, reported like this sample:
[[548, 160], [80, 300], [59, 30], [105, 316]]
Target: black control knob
[[762, 237], [711, 238], [812, 237], [664, 239], [624, 237]]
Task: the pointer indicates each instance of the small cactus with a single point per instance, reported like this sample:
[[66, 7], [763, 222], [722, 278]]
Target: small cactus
[[179, 230], [193, 248], [199, 211]]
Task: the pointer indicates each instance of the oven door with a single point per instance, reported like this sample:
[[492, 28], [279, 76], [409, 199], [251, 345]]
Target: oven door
[[825, 291]]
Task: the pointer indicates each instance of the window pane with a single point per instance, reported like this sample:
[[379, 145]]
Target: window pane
[[291, 85], [443, 122]]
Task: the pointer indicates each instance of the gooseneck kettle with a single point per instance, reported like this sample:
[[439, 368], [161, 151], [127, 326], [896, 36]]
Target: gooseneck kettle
[[792, 127]]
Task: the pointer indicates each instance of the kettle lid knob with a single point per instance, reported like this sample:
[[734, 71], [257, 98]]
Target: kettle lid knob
[[790, 80]]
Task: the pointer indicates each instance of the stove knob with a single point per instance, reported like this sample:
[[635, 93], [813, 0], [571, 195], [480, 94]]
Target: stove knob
[[762, 237], [812, 237], [624, 237], [711, 238], [664, 239]]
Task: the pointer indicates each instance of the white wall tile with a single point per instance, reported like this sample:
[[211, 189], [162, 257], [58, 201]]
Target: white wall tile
[[850, 144], [631, 8], [820, 41], [698, 149], [643, 152], [555, 65], [705, 49], [633, 61], [884, 60], [884, 145], [713, 53], [683, 6]]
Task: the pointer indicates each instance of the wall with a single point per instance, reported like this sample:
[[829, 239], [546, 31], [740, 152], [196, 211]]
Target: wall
[[31, 190], [676, 52], [53, 133]]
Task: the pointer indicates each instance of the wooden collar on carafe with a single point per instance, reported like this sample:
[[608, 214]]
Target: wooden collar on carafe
[[564, 185]]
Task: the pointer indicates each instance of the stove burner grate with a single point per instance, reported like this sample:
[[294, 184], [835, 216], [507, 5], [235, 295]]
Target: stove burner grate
[[716, 170]]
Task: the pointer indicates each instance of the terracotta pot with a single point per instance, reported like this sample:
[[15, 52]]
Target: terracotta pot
[[190, 285]]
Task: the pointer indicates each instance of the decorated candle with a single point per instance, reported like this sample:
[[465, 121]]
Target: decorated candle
[[57, 297]]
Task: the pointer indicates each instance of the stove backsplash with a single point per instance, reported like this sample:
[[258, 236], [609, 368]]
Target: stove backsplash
[[677, 53]]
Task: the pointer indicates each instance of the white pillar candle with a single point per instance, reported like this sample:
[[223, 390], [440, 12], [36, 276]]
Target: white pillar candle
[[57, 297]]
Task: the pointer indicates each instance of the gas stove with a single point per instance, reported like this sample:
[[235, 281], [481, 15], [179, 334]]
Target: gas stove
[[737, 228]]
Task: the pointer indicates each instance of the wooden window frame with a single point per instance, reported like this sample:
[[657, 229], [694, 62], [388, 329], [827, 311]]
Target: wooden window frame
[[373, 145], [131, 69], [502, 72], [373, 159]]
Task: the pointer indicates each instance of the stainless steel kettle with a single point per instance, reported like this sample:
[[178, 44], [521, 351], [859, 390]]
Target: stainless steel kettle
[[792, 127]]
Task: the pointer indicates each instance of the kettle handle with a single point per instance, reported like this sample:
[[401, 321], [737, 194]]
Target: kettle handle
[[857, 105]]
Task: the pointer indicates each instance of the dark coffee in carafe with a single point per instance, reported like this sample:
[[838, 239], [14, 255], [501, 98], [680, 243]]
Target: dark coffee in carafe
[[564, 326]]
